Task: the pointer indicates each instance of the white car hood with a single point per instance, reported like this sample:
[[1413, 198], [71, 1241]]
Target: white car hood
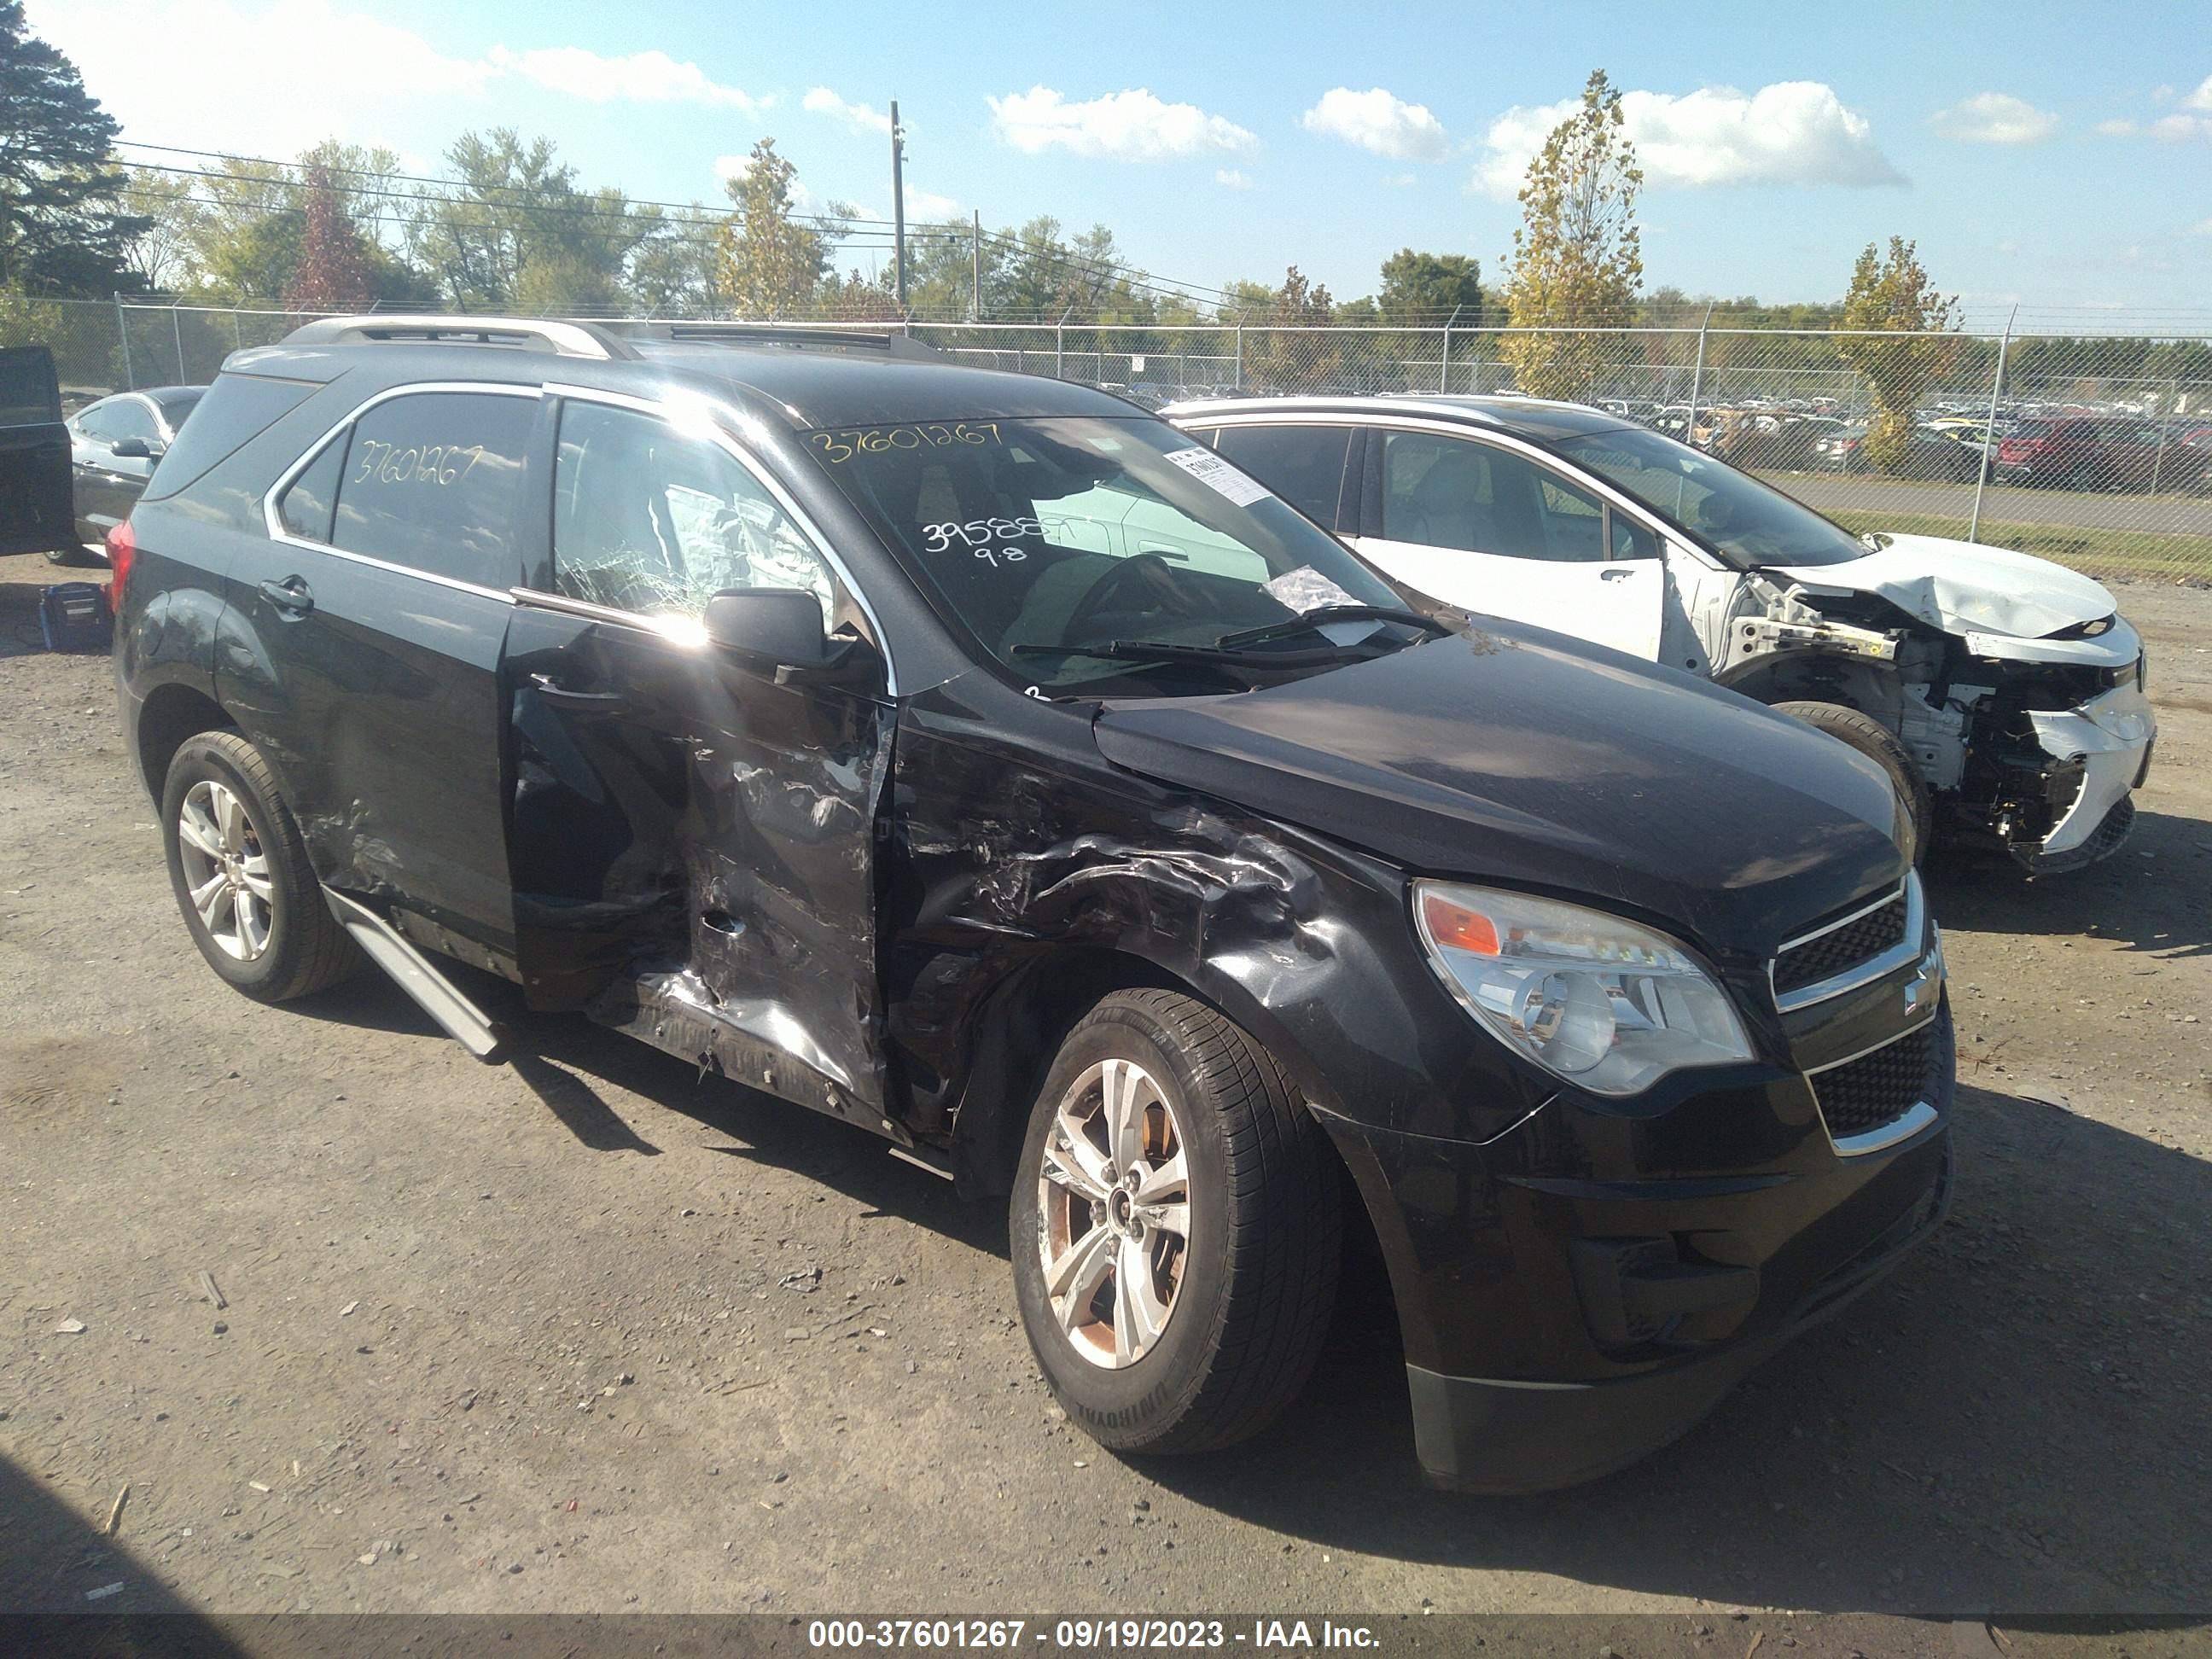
[[1963, 587]]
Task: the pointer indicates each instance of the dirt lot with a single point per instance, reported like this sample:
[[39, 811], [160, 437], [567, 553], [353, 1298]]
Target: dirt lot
[[549, 1336]]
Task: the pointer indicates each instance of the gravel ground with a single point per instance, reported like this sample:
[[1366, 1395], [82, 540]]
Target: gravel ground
[[585, 1334]]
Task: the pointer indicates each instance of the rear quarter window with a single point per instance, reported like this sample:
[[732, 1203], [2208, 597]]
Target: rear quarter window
[[237, 409]]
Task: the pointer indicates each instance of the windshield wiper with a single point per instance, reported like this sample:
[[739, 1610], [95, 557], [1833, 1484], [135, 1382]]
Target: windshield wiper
[[1169, 651], [1330, 613]]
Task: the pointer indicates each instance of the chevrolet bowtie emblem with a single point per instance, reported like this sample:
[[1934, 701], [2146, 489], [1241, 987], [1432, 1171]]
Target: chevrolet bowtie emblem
[[1926, 983]]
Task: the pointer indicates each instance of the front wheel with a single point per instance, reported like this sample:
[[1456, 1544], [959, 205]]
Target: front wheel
[[1879, 745], [1175, 1228]]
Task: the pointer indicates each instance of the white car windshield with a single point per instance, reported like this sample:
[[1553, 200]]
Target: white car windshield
[[1712, 501], [1077, 550]]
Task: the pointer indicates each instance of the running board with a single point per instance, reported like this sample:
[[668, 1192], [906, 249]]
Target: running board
[[461, 1019]]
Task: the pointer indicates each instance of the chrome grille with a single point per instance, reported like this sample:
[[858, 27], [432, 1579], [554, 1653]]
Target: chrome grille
[[1864, 945], [1828, 954]]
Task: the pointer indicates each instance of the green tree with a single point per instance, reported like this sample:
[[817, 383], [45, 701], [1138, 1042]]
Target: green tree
[[1428, 288], [1279, 359], [672, 271], [1902, 340], [63, 227], [163, 253], [515, 206], [1578, 261], [767, 264], [334, 270]]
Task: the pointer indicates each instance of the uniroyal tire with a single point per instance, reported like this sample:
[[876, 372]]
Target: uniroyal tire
[[301, 948], [1252, 1291], [1879, 745]]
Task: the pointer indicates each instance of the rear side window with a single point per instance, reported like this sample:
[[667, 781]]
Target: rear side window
[[432, 481], [1303, 464]]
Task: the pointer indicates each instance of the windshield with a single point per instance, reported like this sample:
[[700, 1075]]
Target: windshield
[[1730, 509], [1068, 549]]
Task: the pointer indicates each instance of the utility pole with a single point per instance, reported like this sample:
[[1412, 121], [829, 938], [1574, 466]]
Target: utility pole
[[898, 206], [976, 277]]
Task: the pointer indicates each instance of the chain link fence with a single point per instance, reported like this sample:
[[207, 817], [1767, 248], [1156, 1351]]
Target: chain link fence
[[2095, 451]]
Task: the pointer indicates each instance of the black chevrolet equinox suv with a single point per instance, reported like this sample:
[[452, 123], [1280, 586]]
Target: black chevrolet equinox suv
[[976, 758]]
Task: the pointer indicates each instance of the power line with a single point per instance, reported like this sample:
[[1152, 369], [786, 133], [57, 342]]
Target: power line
[[845, 229]]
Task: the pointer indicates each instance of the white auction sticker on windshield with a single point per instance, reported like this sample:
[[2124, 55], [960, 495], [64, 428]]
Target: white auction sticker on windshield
[[1306, 589], [1217, 475]]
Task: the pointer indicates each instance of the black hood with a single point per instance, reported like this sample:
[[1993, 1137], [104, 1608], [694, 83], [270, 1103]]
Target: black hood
[[1537, 761]]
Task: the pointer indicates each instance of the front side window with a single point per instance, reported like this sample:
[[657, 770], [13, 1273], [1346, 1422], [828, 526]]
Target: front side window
[[1448, 492], [129, 418], [657, 522], [432, 481], [1732, 510], [1067, 547]]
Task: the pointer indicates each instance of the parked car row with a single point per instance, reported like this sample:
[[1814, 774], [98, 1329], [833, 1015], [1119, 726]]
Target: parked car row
[[1052, 792]]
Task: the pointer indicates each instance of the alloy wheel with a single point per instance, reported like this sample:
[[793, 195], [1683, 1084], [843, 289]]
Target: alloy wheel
[[226, 870], [1113, 1213]]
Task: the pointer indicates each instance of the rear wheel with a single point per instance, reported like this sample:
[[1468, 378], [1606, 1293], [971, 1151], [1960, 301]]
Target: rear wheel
[[242, 877], [1175, 1228], [73, 554], [1879, 745]]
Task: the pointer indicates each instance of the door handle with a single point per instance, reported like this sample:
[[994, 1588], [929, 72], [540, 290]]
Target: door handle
[[291, 596], [1616, 573], [562, 697]]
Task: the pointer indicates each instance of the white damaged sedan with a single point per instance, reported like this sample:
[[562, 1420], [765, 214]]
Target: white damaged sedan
[[2004, 694]]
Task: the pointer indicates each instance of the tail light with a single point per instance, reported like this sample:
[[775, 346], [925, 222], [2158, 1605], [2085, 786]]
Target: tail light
[[122, 548]]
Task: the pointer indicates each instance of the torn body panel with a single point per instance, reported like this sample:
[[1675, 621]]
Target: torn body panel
[[695, 855]]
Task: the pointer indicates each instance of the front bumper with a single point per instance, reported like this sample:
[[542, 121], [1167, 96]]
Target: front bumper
[[1579, 1291], [1504, 1436], [2107, 742]]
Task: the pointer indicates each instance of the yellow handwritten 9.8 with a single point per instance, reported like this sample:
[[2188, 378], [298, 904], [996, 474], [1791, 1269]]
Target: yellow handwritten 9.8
[[436, 464]]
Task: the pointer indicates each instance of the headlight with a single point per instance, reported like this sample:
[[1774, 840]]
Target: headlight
[[1597, 1001]]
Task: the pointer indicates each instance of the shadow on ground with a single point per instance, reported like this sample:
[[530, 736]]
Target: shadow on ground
[[2154, 895], [1997, 1425]]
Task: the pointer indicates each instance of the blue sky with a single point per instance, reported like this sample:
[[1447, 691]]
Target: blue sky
[[2053, 155]]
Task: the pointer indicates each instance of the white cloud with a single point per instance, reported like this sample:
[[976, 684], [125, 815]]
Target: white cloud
[[822, 101], [645, 77], [1995, 117], [922, 204], [2174, 129], [1232, 179], [2116, 129], [1793, 132], [1375, 120], [2202, 98], [1126, 126], [2202, 227], [152, 66]]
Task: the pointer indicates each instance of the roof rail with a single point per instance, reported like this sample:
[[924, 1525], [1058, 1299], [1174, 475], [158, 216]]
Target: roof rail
[[832, 338], [563, 339]]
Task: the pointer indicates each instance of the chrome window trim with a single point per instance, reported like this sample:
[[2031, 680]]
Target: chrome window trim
[[1473, 432], [1909, 949], [1907, 1124], [661, 409], [272, 521]]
